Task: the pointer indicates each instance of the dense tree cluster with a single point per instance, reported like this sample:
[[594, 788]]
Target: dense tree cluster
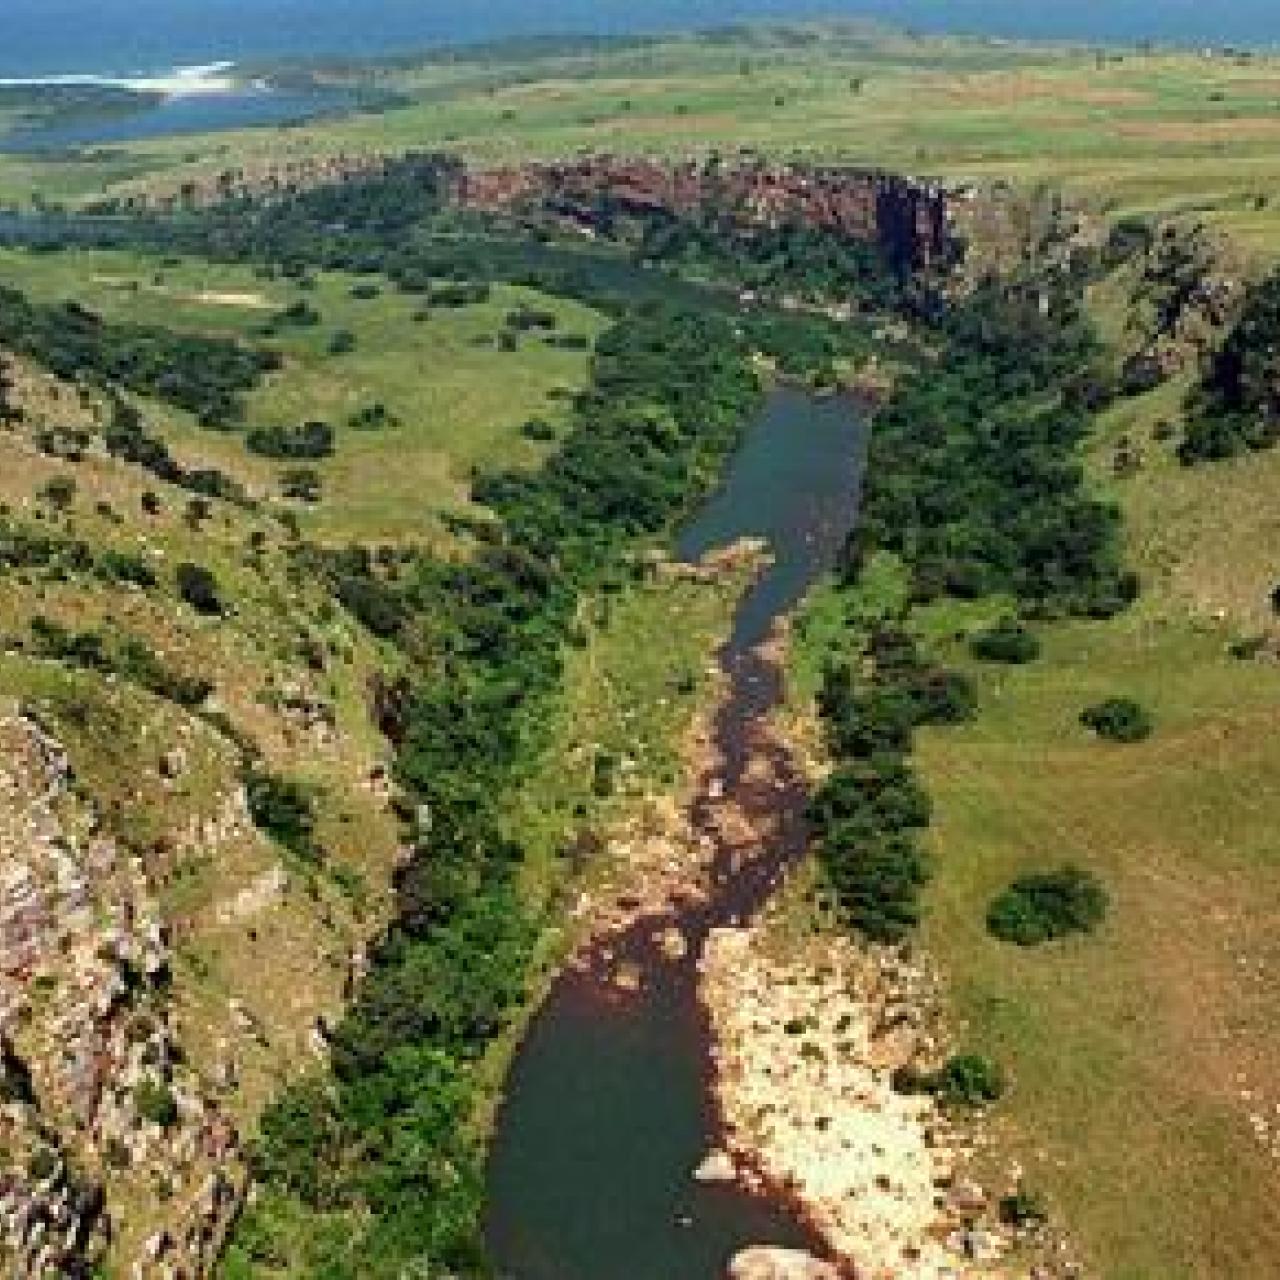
[[61, 557], [205, 376], [867, 815], [129, 658], [973, 476], [127, 438], [788, 259]]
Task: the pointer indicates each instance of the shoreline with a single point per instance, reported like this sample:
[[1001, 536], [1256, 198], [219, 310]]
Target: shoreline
[[200, 80]]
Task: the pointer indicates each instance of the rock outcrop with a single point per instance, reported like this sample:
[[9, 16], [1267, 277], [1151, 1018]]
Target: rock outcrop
[[95, 1098], [765, 1262]]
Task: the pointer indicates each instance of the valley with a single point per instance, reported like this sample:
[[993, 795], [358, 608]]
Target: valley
[[654, 658]]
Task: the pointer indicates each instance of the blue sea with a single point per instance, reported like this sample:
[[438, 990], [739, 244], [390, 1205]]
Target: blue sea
[[129, 37]]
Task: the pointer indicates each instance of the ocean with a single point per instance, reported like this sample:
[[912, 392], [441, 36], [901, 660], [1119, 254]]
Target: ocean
[[138, 37]]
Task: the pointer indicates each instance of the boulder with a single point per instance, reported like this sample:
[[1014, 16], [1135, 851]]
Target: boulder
[[764, 1262], [717, 1167]]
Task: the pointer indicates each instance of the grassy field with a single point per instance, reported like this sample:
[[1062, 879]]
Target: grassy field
[[1175, 132], [457, 400], [1145, 1101]]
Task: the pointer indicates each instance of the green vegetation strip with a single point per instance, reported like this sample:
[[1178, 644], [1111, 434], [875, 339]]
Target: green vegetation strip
[[376, 1166]]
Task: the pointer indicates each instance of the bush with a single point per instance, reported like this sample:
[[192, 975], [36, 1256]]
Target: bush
[[1023, 1209], [59, 493], [199, 588], [311, 440], [373, 418], [1008, 641], [342, 343], [124, 567], [524, 319], [301, 314], [538, 429], [283, 809], [301, 484], [969, 1080], [1118, 720], [1046, 906], [155, 1103]]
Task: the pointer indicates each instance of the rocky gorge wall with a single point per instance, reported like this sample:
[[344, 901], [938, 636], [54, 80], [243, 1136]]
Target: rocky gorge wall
[[905, 218]]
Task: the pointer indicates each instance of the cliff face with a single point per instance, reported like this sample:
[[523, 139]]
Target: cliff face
[[907, 220]]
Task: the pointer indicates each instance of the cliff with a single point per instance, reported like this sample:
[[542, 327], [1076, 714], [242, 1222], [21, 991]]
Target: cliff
[[905, 218]]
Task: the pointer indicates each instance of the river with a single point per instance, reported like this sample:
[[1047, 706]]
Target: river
[[608, 1110]]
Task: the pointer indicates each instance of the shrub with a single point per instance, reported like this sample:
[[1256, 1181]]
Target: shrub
[[524, 319], [155, 1103], [59, 493], [302, 484], [199, 588], [1008, 641], [300, 313], [1042, 907], [311, 440], [1118, 720], [969, 1080], [342, 342], [283, 809], [538, 429], [1275, 600], [373, 418], [122, 566]]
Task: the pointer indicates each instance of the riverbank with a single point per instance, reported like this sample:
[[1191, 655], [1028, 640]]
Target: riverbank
[[807, 1038], [645, 698]]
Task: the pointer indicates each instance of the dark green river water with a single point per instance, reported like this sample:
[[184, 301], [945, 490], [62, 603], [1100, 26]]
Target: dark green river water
[[608, 1109]]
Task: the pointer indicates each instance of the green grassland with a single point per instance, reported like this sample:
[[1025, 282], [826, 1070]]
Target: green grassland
[[1174, 132], [1142, 1057], [456, 399]]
